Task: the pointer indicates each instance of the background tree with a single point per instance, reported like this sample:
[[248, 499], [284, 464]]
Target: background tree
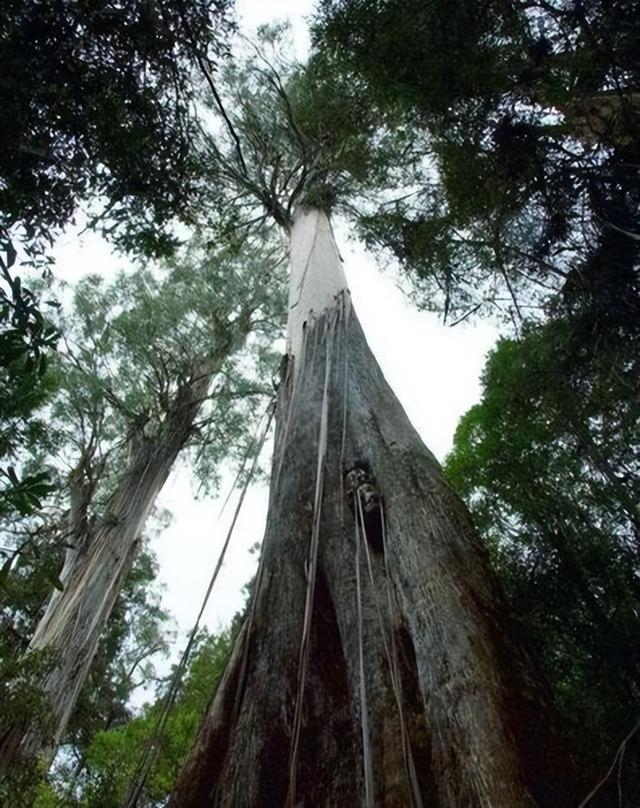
[[99, 116], [136, 634], [142, 357], [548, 462]]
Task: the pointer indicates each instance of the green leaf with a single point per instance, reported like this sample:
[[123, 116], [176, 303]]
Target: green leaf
[[4, 571], [11, 255]]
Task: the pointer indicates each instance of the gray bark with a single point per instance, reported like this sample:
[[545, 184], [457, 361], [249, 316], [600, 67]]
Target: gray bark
[[96, 565], [375, 670]]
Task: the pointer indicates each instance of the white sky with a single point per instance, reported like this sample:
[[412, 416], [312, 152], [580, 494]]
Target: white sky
[[433, 369]]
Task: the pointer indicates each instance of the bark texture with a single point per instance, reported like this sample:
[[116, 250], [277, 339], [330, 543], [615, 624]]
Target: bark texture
[[95, 568], [373, 667]]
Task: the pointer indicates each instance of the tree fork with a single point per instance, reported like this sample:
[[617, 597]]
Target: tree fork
[[373, 669]]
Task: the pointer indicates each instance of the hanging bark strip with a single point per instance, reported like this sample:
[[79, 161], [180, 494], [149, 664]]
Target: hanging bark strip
[[311, 582], [151, 748], [475, 722], [364, 710]]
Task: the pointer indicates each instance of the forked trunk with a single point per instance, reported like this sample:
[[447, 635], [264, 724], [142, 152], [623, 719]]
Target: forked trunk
[[94, 571], [373, 667]]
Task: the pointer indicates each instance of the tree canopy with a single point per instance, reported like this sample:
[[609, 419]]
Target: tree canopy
[[98, 102], [548, 462], [524, 118]]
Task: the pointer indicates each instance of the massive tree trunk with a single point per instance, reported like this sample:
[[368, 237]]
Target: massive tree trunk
[[374, 667], [96, 565]]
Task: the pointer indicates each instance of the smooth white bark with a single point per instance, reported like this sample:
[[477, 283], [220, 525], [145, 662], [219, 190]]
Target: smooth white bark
[[316, 273]]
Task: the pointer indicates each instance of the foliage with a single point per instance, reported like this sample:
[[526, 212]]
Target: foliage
[[106, 768], [137, 631], [282, 134], [97, 100], [25, 338], [132, 344], [112, 759], [548, 462], [525, 118]]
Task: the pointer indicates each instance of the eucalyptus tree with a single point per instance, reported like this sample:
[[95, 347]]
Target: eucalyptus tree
[[375, 665], [99, 122], [155, 363]]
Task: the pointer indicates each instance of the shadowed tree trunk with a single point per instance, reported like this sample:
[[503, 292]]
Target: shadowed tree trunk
[[374, 667], [96, 566]]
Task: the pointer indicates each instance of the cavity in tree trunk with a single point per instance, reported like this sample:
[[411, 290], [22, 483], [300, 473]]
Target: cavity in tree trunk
[[374, 667], [95, 569]]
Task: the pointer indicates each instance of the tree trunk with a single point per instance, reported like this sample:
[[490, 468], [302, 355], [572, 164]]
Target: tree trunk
[[94, 571], [374, 667]]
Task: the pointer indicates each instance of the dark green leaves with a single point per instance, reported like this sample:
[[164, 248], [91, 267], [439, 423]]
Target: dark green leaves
[[548, 462], [25, 338], [528, 118], [25, 495], [97, 101]]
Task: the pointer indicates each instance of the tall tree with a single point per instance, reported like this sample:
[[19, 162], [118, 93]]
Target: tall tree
[[150, 350], [375, 665], [99, 114]]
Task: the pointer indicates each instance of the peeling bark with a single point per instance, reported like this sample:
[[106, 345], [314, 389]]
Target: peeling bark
[[390, 660], [95, 568]]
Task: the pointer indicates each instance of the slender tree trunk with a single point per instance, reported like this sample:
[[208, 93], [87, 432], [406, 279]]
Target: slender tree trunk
[[373, 668], [94, 571]]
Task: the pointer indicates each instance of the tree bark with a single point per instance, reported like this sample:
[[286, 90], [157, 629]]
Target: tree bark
[[96, 566], [374, 667]]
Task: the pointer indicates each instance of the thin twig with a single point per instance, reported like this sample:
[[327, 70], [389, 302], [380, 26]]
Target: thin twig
[[617, 760]]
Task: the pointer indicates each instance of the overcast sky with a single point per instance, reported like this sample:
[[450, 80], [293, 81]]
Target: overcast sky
[[433, 369]]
